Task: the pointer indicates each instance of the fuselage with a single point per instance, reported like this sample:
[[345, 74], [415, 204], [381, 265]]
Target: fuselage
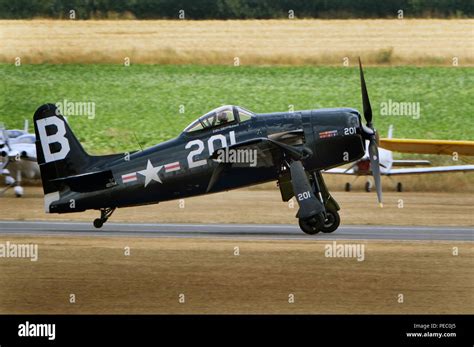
[[333, 136]]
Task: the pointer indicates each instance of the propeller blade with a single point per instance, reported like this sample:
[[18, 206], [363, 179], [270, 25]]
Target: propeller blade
[[371, 135], [375, 167], [365, 98]]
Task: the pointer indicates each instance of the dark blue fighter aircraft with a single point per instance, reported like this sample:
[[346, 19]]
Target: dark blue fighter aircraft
[[227, 148]]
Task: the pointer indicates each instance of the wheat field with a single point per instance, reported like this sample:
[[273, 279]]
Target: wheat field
[[253, 42]]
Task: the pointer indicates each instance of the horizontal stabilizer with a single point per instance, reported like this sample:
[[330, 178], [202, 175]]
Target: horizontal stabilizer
[[87, 182]]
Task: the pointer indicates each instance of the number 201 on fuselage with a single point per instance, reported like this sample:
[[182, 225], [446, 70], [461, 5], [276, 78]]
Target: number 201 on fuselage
[[200, 146]]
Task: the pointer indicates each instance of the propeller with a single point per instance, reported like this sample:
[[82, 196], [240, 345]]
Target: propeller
[[371, 135]]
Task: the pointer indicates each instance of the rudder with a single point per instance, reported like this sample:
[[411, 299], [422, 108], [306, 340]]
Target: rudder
[[58, 151]]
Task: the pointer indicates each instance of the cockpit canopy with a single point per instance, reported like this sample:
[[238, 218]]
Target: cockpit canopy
[[221, 116]]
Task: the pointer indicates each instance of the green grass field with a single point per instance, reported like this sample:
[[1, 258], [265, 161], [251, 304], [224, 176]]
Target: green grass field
[[146, 99]]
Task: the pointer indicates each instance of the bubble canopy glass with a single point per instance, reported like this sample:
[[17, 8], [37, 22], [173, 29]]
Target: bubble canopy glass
[[220, 116]]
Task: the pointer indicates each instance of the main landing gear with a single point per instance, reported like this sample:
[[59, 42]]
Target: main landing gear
[[105, 213], [328, 220], [318, 210], [313, 226]]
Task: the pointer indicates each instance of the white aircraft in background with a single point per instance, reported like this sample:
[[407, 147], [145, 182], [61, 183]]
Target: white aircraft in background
[[387, 164], [18, 155]]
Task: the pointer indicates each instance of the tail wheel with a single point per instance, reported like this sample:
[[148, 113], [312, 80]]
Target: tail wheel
[[98, 223], [105, 213], [332, 221], [312, 226]]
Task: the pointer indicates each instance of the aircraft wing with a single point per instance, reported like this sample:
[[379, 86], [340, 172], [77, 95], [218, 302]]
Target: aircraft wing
[[428, 146], [340, 171], [269, 151], [428, 170], [410, 162]]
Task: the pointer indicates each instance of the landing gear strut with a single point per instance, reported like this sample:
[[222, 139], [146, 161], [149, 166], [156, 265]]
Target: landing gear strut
[[328, 221], [105, 213], [317, 208]]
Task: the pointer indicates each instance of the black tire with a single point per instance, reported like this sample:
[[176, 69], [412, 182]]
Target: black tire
[[311, 226], [368, 187], [98, 223], [399, 187], [332, 222], [348, 187]]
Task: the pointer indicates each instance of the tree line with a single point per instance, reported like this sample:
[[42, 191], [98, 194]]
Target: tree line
[[234, 9]]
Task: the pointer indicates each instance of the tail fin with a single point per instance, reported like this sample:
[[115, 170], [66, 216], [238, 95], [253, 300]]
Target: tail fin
[[390, 131], [58, 151]]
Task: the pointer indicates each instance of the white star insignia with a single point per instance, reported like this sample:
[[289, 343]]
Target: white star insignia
[[151, 173]]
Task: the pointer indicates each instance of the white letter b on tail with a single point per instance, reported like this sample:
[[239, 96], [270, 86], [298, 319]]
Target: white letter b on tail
[[58, 137]]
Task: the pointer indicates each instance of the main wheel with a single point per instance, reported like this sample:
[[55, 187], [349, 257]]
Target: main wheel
[[312, 225], [368, 186], [399, 187], [332, 221], [98, 223], [348, 187]]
